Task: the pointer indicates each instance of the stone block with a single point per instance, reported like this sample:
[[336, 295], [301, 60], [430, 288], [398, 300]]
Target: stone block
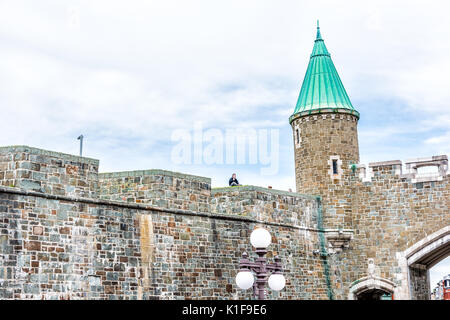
[[33, 245]]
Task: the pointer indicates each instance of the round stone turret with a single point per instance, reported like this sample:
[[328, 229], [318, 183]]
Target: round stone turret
[[324, 125]]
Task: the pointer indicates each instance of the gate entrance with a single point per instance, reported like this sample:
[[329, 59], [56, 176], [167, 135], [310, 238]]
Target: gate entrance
[[374, 294], [423, 256], [372, 288]]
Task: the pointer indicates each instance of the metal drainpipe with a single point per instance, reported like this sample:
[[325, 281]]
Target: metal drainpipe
[[323, 250]]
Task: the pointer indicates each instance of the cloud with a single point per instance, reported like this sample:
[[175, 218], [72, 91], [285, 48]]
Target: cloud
[[128, 75], [443, 139]]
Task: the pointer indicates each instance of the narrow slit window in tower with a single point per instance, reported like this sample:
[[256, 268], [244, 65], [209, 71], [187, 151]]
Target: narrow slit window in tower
[[335, 167], [298, 136]]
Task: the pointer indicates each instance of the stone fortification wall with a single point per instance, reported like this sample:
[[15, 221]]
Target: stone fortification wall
[[55, 247], [392, 211], [67, 232], [48, 172], [143, 234]]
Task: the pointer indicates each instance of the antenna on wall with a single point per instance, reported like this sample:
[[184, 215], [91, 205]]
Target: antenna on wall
[[81, 144]]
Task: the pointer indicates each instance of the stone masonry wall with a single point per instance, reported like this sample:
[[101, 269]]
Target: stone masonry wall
[[52, 247], [390, 214], [322, 138], [143, 234], [48, 172], [157, 187], [273, 205], [161, 235]]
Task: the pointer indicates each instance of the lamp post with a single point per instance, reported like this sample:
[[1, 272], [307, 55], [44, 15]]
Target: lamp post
[[260, 239]]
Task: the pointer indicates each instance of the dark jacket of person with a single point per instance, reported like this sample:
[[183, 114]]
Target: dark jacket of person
[[233, 180]]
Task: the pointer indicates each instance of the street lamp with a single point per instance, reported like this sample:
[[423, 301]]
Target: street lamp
[[260, 239]]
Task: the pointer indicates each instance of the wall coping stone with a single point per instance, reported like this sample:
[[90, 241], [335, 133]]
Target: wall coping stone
[[65, 156], [261, 189], [427, 159], [385, 163], [152, 172]]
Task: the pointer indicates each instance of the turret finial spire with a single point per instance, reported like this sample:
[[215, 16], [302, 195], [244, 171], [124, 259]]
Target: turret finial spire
[[319, 36]]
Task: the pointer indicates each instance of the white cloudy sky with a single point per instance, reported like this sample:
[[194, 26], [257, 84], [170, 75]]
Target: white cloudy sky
[[126, 74]]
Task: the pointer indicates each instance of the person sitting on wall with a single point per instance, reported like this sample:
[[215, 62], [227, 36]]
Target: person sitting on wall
[[233, 181]]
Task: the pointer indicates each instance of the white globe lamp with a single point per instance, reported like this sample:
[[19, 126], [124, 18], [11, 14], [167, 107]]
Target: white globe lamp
[[277, 282], [260, 238], [244, 279]]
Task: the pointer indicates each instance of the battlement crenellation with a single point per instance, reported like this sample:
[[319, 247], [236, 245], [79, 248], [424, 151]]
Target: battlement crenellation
[[410, 171]]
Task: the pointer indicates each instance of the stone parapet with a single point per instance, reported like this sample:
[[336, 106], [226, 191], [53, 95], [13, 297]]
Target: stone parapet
[[48, 172], [266, 204], [52, 154], [385, 169], [160, 188], [393, 166], [440, 162]]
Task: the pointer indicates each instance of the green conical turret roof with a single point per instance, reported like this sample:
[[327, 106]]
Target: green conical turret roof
[[322, 88]]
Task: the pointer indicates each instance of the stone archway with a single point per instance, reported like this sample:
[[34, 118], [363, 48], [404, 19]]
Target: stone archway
[[421, 257], [370, 288], [430, 250]]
